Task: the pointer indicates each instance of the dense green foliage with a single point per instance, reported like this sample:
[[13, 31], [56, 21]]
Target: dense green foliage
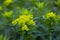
[[29, 19]]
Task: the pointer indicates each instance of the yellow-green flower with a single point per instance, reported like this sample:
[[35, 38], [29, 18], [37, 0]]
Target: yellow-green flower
[[50, 15], [1, 8], [25, 11], [30, 16], [40, 5], [24, 27], [31, 22], [24, 20], [7, 14], [7, 2], [15, 21], [24, 17]]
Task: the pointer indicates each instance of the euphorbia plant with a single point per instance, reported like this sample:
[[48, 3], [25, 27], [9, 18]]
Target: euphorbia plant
[[50, 19], [26, 23]]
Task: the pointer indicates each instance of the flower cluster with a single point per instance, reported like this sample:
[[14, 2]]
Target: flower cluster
[[23, 20], [25, 11], [40, 5], [7, 2], [24, 27], [50, 15], [7, 14]]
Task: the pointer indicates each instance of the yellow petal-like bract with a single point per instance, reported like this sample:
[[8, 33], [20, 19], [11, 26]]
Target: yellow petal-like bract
[[23, 19], [24, 27], [50, 15]]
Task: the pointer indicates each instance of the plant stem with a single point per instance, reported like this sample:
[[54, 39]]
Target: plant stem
[[49, 33]]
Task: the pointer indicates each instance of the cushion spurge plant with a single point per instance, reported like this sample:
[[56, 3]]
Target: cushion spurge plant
[[50, 22], [30, 19]]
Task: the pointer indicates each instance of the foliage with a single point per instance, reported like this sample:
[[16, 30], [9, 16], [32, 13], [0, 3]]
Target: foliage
[[29, 19]]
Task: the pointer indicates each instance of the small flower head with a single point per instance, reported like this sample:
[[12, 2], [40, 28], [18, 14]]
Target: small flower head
[[15, 21], [25, 18], [40, 5], [25, 11], [7, 14], [24, 27], [7, 2], [31, 22], [50, 15]]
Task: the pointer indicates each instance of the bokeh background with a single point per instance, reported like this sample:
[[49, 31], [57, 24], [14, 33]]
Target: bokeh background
[[29, 19]]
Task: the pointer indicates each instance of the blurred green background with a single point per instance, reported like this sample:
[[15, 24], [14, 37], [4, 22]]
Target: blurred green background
[[29, 19]]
